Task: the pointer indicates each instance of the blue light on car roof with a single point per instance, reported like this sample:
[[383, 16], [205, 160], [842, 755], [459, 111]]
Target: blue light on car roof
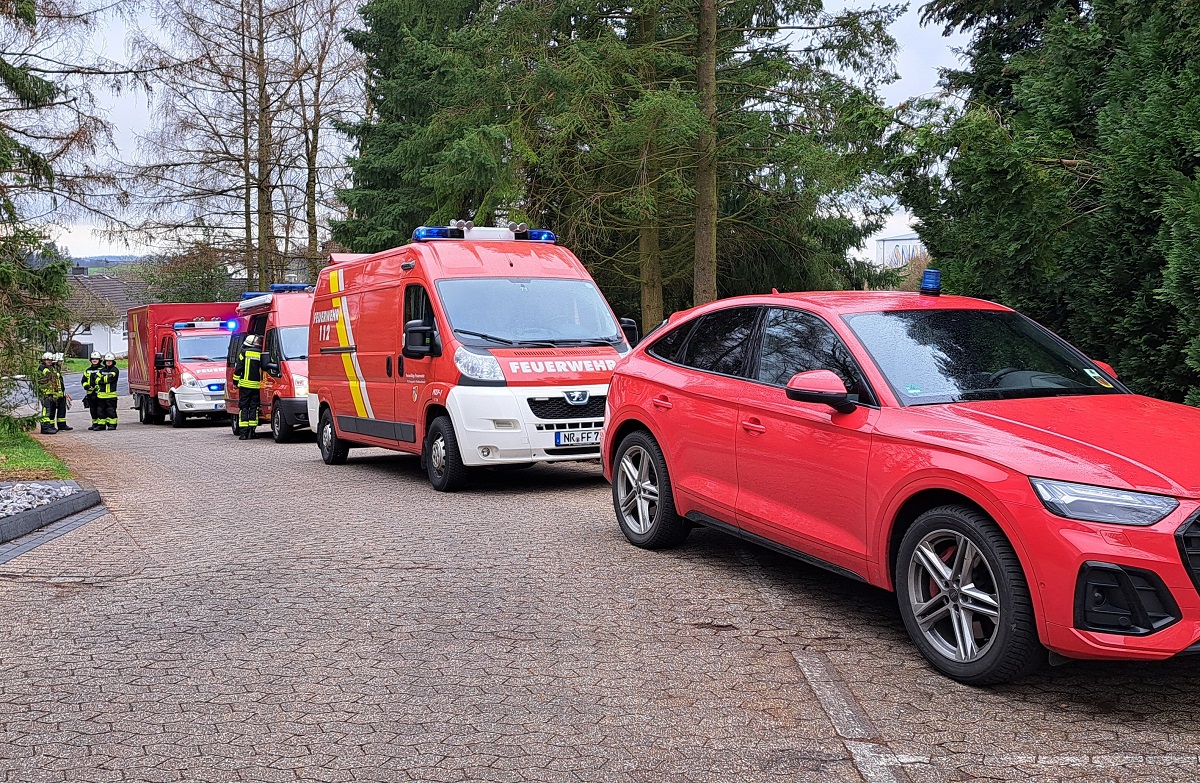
[[283, 288], [541, 235], [931, 282], [252, 294], [179, 324], [231, 325]]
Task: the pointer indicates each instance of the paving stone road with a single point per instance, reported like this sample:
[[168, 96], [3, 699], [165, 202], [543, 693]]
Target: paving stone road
[[248, 613]]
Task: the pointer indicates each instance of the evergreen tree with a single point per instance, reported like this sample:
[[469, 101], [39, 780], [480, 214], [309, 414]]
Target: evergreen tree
[[1066, 192]]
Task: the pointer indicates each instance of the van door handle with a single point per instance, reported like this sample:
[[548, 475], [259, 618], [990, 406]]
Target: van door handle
[[389, 366], [753, 425], [661, 402]]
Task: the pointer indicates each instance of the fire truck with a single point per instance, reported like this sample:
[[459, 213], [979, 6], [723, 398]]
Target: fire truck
[[177, 360], [280, 316], [472, 347]]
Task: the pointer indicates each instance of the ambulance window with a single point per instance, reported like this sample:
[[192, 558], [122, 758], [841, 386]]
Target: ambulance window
[[417, 306]]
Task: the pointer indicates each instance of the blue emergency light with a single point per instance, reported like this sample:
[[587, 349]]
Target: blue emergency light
[[424, 233], [216, 386], [931, 282], [231, 325], [285, 288], [541, 235], [179, 325], [252, 294]]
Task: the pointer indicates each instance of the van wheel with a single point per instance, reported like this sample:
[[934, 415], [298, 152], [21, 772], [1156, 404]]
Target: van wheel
[[177, 418], [143, 409], [964, 599], [443, 462], [281, 431], [334, 450]]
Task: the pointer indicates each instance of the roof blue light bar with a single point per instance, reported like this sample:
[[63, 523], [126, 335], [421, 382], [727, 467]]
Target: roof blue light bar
[[179, 325], [231, 325], [541, 235], [424, 233], [252, 294], [283, 288]]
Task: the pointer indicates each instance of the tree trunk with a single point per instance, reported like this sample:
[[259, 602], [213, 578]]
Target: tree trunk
[[704, 285], [263, 163], [248, 259], [312, 146], [649, 249]]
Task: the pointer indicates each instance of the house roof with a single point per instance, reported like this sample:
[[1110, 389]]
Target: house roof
[[120, 294]]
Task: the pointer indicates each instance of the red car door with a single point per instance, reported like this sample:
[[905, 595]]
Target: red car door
[[802, 467], [693, 402]]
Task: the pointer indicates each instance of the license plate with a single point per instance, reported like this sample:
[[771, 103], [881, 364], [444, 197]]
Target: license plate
[[577, 438]]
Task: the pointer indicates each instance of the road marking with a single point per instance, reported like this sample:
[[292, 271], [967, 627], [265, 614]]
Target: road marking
[[847, 715]]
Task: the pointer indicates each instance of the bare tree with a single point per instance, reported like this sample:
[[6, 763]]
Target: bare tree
[[239, 156]]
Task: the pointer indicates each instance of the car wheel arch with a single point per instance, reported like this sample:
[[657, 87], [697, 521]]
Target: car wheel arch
[[921, 496]]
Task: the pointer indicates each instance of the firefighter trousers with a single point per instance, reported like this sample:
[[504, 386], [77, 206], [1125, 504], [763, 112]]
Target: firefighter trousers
[[106, 412], [248, 402]]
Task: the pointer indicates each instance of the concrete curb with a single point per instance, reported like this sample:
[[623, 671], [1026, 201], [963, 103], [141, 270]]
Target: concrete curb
[[26, 522]]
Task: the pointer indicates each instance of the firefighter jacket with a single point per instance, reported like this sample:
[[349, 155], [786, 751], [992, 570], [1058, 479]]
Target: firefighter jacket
[[106, 383], [248, 371], [50, 382], [91, 378]]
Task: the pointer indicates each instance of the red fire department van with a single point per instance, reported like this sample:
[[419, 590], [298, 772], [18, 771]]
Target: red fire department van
[[469, 346], [177, 360], [280, 316]]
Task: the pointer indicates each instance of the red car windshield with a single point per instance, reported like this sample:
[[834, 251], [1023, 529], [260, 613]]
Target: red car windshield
[[939, 356]]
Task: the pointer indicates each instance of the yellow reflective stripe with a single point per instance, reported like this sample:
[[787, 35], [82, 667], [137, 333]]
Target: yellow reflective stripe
[[353, 380]]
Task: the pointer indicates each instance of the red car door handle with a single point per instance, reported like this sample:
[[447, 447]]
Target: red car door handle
[[753, 426], [661, 402]]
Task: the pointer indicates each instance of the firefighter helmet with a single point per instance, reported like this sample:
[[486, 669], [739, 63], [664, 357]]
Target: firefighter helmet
[[253, 340], [108, 357], [58, 357], [47, 355], [95, 355]]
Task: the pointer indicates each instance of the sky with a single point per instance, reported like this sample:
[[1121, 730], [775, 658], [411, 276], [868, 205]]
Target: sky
[[923, 51]]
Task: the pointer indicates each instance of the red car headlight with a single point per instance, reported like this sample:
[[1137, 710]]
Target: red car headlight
[[1102, 504]]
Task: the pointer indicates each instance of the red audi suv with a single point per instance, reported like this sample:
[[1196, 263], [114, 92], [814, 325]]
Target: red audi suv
[[1013, 494]]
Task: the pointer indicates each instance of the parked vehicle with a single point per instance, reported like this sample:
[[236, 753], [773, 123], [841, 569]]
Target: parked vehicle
[[470, 346], [1010, 490], [177, 360], [280, 316]]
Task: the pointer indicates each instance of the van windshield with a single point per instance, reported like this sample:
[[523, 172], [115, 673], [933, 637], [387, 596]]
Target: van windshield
[[206, 348], [293, 342], [520, 311]]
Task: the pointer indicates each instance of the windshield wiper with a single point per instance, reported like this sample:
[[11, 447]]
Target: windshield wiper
[[585, 341], [505, 341], [195, 359]]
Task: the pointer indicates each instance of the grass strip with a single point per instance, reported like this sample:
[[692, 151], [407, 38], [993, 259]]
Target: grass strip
[[23, 459]]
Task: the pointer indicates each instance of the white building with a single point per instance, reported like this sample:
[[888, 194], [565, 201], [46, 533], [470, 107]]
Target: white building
[[109, 300], [892, 252]]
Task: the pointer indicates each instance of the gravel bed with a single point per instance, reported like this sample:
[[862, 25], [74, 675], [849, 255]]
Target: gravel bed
[[23, 496]]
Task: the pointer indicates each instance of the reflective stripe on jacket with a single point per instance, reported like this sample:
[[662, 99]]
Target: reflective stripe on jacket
[[248, 372], [50, 382], [89, 378], [106, 383]]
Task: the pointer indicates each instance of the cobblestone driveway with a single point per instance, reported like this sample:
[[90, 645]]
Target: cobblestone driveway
[[247, 613]]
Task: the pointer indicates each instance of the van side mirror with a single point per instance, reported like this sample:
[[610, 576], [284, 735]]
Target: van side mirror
[[418, 340], [161, 362], [630, 330], [1108, 368], [272, 368], [821, 387]]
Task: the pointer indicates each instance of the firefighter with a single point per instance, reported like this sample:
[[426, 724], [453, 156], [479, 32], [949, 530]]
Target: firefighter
[[248, 375], [49, 383], [62, 400], [106, 393], [90, 381]]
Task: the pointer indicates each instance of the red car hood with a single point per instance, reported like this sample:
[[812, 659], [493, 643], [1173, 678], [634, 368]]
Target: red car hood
[[1115, 440]]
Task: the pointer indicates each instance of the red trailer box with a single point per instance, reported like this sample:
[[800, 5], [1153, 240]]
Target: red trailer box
[[472, 347], [177, 360], [280, 317]]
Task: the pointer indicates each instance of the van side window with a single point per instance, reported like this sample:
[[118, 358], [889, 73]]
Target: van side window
[[417, 306], [270, 349], [168, 348], [235, 345]]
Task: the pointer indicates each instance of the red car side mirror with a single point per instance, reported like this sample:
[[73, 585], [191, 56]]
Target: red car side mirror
[[1105, 366], [821, 387]]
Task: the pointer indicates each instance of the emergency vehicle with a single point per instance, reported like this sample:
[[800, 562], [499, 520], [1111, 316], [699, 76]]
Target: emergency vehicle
[[469, 346], [280, 316], [177, 360]]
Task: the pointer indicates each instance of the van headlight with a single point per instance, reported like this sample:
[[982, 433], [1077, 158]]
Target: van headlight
[[1102, 504], [300, 384], [189, 380], [478, 366]]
